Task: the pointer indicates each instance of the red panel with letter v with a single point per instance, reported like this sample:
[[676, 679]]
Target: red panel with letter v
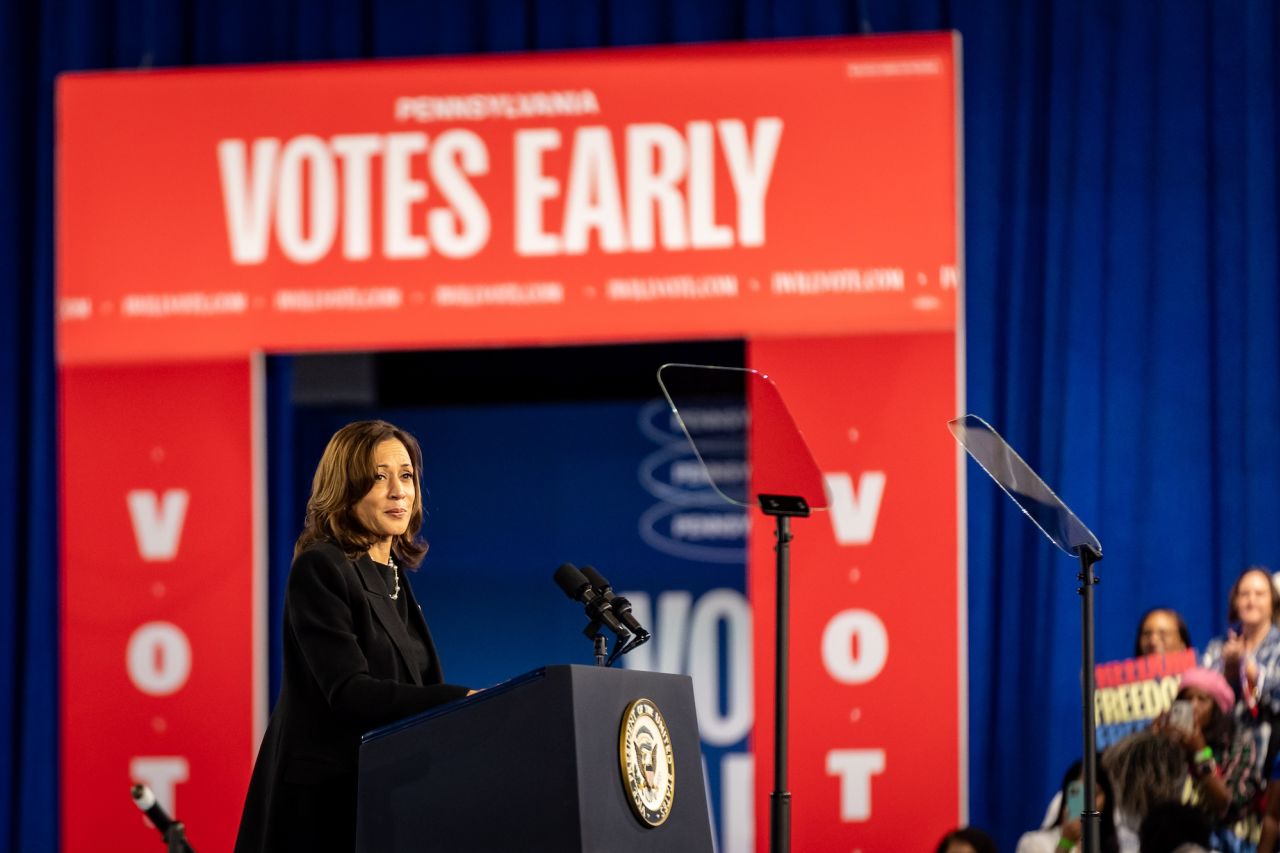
[[876, 711], [161, 616]]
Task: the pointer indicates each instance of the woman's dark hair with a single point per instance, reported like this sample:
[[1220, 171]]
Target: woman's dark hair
[[1145, 768], [971, 835], [1220, 729], [1110, 839], [343, 477], [1233, 616], [1171, 824], [1183, 633]]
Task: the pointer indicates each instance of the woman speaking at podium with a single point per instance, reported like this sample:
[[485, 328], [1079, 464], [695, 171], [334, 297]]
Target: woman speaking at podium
[[357, 652]]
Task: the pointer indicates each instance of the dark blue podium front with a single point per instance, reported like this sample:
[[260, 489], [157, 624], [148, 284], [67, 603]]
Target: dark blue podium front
[[530, 765]]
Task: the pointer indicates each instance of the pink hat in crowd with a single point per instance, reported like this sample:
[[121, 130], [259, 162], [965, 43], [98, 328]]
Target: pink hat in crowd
[[1212, 683]]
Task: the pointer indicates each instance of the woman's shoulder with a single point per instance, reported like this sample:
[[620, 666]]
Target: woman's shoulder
[[322, 559], [322, 549], [1268, 653], [1039, 840]]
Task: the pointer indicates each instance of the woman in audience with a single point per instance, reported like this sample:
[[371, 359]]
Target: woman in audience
[[1173, 827], [1161, 630], [968, 839], [1223, 778], [1145, 768], [1271, 819], [1065, 834], [1249, 655]]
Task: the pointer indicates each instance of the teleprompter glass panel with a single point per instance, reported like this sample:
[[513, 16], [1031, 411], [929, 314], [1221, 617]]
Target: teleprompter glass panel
[[1045, 509], [715, 407]]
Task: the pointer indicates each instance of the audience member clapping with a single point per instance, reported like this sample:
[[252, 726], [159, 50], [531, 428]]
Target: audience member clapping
[[1249, 654]]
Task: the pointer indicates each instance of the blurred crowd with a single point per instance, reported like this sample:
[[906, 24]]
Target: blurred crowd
[[1204, 774]]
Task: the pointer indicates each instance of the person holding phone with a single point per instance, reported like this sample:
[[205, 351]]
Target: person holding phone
[[1221, 759], [1065, 833]]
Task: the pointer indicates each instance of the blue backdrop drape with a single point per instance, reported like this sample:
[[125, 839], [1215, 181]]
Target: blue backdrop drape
[[1121, 204]]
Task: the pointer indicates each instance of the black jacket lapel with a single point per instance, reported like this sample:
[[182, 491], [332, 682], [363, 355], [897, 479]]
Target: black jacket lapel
[[434, 671], [384, 609]]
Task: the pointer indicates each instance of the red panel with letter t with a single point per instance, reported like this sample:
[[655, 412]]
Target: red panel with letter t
[[161, 625], [876, 648]]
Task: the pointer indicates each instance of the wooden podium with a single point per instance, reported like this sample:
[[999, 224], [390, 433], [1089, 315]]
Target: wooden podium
[[535, 764]]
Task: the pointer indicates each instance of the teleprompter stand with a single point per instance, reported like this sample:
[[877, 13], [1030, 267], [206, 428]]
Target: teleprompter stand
[[783, 508], [1090, 818], [784, 482], [1057, 522]]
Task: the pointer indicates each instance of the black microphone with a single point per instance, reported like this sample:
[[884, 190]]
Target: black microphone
[[577, 587], [144, 799], [620, 605]]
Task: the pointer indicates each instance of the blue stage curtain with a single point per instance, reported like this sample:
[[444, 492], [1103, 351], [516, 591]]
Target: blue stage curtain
[[28, 504], [1121, 202], [1121, 293]]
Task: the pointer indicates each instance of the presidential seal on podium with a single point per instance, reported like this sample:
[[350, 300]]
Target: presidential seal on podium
[[647, 762]]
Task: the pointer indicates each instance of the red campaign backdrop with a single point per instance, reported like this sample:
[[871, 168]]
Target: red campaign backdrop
[[162, 650], [875, 734], [802, 195], [800, 188]]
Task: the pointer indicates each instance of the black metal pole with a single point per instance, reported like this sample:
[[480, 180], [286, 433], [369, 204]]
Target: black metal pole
[[175, 838], [601, 649], [1090, 819], [780, 800]]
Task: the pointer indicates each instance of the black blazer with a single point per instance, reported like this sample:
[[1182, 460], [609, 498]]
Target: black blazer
[[346, 671]]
